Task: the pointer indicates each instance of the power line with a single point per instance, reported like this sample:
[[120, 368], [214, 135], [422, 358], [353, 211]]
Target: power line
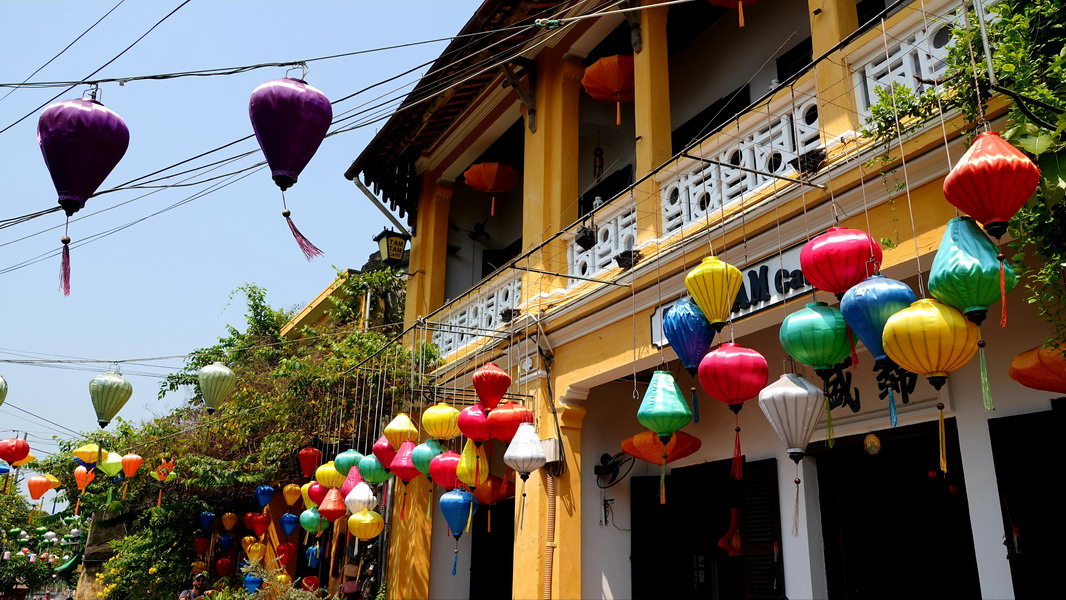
[[39, 417]]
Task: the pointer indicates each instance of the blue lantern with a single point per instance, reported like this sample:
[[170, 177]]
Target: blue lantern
[[690, 335], [289, 523], [252, 583], [458, 507], [866, 308], [313, 555], [225, 542], [4, 470], [263, 494], [206, 519]]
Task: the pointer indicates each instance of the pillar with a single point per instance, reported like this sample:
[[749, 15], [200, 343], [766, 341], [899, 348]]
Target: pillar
[[652, 117], [831, 22], [410, 539], [429, 249]]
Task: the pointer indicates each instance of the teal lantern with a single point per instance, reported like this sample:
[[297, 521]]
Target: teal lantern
[[109, 392], [818, 336], [344, 461], [664, 411], [312, 522], [423, 454], [372, 470], [969, 274]]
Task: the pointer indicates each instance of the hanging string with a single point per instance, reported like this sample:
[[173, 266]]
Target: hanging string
[[737, 470], [796, 504], [829, 439]]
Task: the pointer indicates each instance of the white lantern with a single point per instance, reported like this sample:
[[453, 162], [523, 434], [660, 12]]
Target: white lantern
[[216, 384], [361, 497], [525, 453], [7, 555], [792, 406]]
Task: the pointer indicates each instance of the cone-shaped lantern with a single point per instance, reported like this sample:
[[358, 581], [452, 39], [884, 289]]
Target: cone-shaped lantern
[[332, 507], [109, 392], [491, 383], [505, 419], [1040, 368], [384, 452], [714, 286], [423, 456], [360, 498], [37, 486], [216, 384], [734, 374], [474, 423], [991, 181], [290, 119], [372, 470], [289, 524], [82, 141], [400, 430], [263, 494], [350, 480], [690, 335], [458, 507], [229, 521], [310, 457], [839, 259], [366, 524], [441, 421], [473, 467], [524, 455], [403, 467], [492, 178], [346, 460], [611, 79], [791, 405], [442, 469], [663, 409], [291, 493], [737, 4]]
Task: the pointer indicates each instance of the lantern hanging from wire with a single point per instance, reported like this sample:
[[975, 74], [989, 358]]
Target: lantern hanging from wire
[[690, 335], [400, 430], [734, 374], [206, 519], [264, 494], [611, 79], [441, 421], [474, 423], [360, 498], [328, 476], [967, 275], [110, 464], [866, 308], [931, 339], [646, 445], [313, 522], [492, 178], [291, 493], [366, 524], [344, 461], [473, 467], [714, 286], [664, 411], [229, 521], [3, 390], [490, 384], [82, 478], [109, 393], [332, 506], [524, 455], [423, 454], [82, 141], [163, 473], [13, 450], [737, 4], [290, 120], [403, 467], [839, 259], [817, 336], [458, 507], [289, 524], [131, 463], [1040, 368], [372, 470], [225, 542], [38, 485], [505, 419], [494, 489], [216, 384], [442, 469], [351, 480], [309, 457], [384, 452]]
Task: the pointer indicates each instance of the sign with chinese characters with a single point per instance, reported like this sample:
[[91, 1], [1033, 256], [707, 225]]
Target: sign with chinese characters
[[767, 283]]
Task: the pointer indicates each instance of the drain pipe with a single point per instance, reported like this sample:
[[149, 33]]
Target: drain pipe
[[549, 545]]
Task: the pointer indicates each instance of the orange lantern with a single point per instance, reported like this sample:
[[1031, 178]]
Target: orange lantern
[[739, 5], [38, 485], [646, 445], [611, 79], [1041, 369], [492, 178], [493, 490], [82, 477], [130, 463], [163, 473]]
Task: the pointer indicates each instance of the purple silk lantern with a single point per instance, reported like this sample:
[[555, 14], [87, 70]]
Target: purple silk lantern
[[290, 119], [82, 141]]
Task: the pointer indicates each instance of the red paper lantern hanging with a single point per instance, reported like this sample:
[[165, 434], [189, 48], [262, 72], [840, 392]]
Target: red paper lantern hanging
[[201, 545], [223, 567], [403, 467], [611, 79], [286, 552], [737, 4], [332, 506], [310, 457], [491, 383], [646, 445], [505, 419], [734, 374], [492, 178], [316, 492], [474, 423], [839, 259], [384, 452], [13, 450], [443, 469]]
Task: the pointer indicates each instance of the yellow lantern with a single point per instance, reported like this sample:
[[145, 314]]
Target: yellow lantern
[[714, 285], [28, 459], [283, 578], [255, 551], [400, 430], [328, 476], [473, 468], [366, 524], [229, 520], [441, 421], [198, 566], [308, 503], [53, 481], [291, 492], [88, 453]]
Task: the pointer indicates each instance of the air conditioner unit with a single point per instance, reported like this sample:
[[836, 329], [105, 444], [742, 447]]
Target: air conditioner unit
[[553, 449]]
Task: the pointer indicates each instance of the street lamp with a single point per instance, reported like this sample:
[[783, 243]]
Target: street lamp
[[392, 245]]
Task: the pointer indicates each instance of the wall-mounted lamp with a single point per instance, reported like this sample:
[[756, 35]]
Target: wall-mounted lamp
[[392, 244]]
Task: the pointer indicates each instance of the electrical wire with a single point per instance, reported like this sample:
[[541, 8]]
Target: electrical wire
[[39, 417]]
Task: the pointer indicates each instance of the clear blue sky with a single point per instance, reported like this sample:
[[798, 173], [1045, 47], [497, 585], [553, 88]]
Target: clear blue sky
[[162, 286]]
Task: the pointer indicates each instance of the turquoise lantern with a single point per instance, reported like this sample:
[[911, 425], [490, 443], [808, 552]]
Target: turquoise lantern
[[344, 461], [817, 336], [968, 273], [423, 454], [458, 507], [372, 470], [664, 411]]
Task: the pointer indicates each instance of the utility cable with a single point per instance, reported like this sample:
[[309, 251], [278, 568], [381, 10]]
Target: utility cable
[[39, 417]]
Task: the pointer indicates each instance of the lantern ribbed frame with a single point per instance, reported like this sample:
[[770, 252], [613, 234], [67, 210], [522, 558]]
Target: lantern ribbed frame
[[733, 374], [714, 286], [840, 258], [441, 421], [867, 306], [216, 384], [525, 453], [792, 405], [816, 335], [366, 524], [931, 339], [664, 409], [646, 445], [328, 475]]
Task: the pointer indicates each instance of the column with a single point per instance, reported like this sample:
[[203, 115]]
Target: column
[[831, 22], [429, 249], [652, 117]]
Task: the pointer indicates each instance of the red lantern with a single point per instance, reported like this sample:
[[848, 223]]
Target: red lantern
[[505, 419], [286, 551], [383, 452], [260, 522], [733, 374], [991, 182], [13, 450], [317, 492], [839, 259], [646, 445], [737, 4], [474, 423], [332, 506], [492, 178], [223, 567], [201, 545], [611, 79], [249, 518], [310, 583], [443, 469], [490, 383], [403, 467], [310, 457]]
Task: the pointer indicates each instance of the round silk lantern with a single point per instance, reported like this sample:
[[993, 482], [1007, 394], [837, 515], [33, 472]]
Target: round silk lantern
[[366, 524], [734, 374], [82, 141], [229, 521], [818, 336], [372, 470], [646, 445], [289, 523], [82, 478], [286, 553], [328, 476], [492, 178], [714, 286], [309, 457], [12, 450], [291, 493], [37, 486], [332, 506], [384, 451], [226, 541], [252, 583], [260, 523], [403, 467], [216, 384], [255, 551], [1040, 368], [310, 583], [109, 392], [473, 467], [360, 498], [441, 421], [313, 522], [351, 480], [201, 545], [458, 507], [474, 423], [737, 4], [991, 181], [263, 495], [690, 335], [505, 419], [443, 467], [317, 492], [304, 493], [344, 461], [290, 120], [206, 520], [130, 464], [839, 259], [224, 567], [400, 430], [423, 455], [611, 79], [490, 384]]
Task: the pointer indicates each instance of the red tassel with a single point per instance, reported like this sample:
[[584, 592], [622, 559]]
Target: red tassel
[[6, 478], [64, 269], [492, 210], [1002, 293], [310, 250], [854, 355], [618, 113], [738, 465]]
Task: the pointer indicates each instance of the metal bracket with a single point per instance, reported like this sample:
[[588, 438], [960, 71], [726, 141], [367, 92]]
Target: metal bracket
[[633, 17], [527, 95]]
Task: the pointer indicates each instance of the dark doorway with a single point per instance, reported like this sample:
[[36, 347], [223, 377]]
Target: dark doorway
[[492, 552], [1034, 524], [893, 524], [675, 552]]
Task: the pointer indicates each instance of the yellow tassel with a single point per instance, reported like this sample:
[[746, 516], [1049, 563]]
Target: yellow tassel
[[943, 441], [125, 488], [470, 517], [77, 505], [618, 113]]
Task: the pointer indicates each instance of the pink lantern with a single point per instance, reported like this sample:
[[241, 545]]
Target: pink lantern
[[351, 481], [443, 469], [383, 451], [840, 258], [734, 374], [474, 423], [403, 467]]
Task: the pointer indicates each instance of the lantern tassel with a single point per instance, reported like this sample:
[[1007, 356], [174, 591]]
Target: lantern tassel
[[6, 478], [893, 416], [695, 406], [492, 207], [829, 439], [796, 506], [740, 9], [455, 558], [737, 472], [470, 517], [159, 500], [310, 250], [1002, 292], [986, 389], [403, 504], [64, 268], [943, 441], [429, 504], [522, 507], [488, 517], [618, 113], [662, 481], [77, 506], [125, 488]]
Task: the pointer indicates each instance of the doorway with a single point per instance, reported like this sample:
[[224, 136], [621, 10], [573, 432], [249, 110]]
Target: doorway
[[893, 524], [492, 551]]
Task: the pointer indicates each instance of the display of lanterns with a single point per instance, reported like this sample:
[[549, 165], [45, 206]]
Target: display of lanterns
[[109, 392], [458, 507], [492, 178], [473, 467], [733, 374], [505, 419], [441, 421], [1040, 368], [690, 335], [216, 384], [611, 79], [714, 286], [839, 259], [490, 384]]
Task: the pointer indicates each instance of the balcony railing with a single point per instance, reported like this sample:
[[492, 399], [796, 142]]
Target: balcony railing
[[614, 229], [462, 324]]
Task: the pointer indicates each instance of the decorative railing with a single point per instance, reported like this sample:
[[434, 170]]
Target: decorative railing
[[771, 145], [610, 231], [466, 322]]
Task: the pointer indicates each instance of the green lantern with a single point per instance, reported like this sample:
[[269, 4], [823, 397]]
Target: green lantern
[[818, 336], [216, 384], [3, 389], [424, 453], [344, 461], [664, 411], [372, 470], [109, 392]]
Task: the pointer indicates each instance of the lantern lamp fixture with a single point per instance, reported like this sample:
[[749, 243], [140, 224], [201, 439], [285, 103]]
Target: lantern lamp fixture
[[586, 237], [392, 245], [626, 259]]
